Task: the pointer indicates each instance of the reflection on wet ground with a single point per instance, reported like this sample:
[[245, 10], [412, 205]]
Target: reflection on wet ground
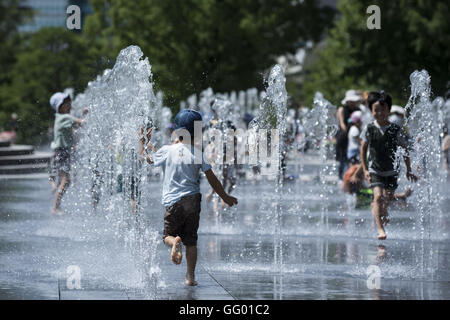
[[326, 248]]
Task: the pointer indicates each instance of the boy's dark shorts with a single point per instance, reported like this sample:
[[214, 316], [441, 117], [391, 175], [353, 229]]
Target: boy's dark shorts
[[388, 183], [182, 219], [61, 161]]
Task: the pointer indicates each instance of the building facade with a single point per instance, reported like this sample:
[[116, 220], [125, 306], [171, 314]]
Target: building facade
[[52, 13]]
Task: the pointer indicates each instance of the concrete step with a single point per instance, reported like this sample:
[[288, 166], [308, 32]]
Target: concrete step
[[27, 176], [5, 143], [16, 150], [36, 157], [24, 168]]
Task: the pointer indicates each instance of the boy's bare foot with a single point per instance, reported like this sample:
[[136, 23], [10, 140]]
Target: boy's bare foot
[[190, 281], [381, 235], [408, 192], [176, 253], [57, 212]]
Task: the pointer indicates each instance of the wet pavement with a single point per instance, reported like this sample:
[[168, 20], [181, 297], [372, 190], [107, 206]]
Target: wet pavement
[[327, 251]]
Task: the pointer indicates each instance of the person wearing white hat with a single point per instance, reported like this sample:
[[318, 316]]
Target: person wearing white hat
[[350, 104], [354, 141], [58, 99], [351, 96], [397, 115], [62, 145]]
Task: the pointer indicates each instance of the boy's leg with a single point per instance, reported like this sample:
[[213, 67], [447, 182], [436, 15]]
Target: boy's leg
[[403, 195], [65, 181], [172, 220], [388, 196], [378, 211], [191, 260], [390, 185], [53, 183], [192, 208], [53, 172], [176, 253], [210, 195]]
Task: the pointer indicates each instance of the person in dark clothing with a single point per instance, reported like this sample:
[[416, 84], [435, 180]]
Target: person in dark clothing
[[350, 104]]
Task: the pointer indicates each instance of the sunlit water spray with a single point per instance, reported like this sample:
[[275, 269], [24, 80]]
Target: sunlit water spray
[[425, 124], [321, 124], [109, 175], [272, 115], [121, 101]]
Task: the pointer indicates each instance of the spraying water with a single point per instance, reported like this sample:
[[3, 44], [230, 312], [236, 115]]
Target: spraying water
[[120, 103], [425, 124], [321, 125], [272, 115]]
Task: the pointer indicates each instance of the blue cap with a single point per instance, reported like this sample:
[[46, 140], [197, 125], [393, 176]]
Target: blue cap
[[185, 120]]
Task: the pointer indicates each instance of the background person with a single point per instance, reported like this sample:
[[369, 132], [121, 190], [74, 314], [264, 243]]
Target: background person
[[397, 115], [350, 103], [62, 145], [354, 141]]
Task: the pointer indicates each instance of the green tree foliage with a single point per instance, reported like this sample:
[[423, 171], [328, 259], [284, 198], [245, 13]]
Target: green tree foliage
[[11, 16], [413, 35], [51, 60], [194, 44]]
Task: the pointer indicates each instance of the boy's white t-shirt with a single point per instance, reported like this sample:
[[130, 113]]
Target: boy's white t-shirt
[[353, 135], [62, 131], [181, 165]]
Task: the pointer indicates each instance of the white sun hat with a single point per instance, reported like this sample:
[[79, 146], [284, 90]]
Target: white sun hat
[[397, 109], [57, 99], [351, 95]]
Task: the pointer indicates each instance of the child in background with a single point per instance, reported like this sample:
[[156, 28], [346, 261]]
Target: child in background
[[350, 104], [181, 188], [62, 145], [354, 141], [380, 140]]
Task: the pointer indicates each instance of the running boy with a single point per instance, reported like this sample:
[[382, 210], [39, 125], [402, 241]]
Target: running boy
[[181, 188], [381, 138]]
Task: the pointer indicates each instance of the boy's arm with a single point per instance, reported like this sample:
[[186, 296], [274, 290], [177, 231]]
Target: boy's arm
[[360, 171], [340, 115], [407, 160], [147, 157], [145, 147], [218, 188], [79, 121]]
